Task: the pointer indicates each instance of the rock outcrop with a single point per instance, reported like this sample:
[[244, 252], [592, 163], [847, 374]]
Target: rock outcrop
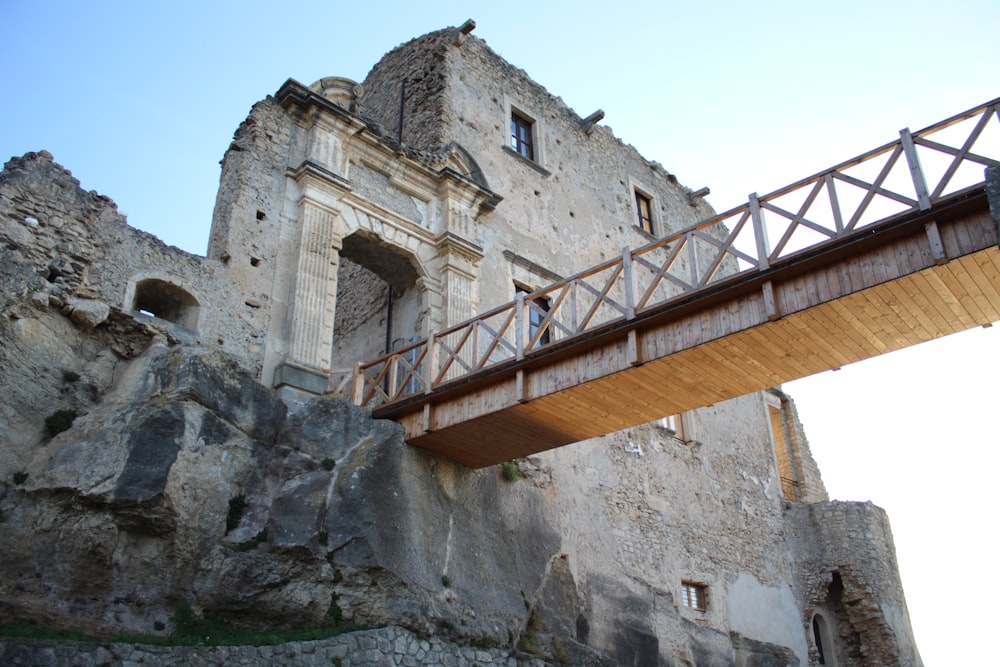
[[174, 476]]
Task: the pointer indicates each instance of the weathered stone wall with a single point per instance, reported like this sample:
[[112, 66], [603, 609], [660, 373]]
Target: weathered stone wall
[[427, 109], [74, 246], [386, 647], [851, 543]]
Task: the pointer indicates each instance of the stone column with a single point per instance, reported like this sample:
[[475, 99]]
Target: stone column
[[313, 302], [459, 270]]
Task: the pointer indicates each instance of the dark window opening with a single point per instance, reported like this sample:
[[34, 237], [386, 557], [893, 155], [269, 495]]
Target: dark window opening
[[167, 302], [521, 139], [644, 207], [536, 310], [260, 215], [818, 638]]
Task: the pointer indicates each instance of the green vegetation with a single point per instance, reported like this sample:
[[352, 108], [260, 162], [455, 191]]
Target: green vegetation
[[20, 477], [69, 377], [57, 422], [190, 630], [560, 653], [329, 463], [511, 472], [446, 581], [236, 506], [485, 642], [529, 638]]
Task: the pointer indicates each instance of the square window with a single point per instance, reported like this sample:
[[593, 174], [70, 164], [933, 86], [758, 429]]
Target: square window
[[693, 595], [521, 136], [644, 209]]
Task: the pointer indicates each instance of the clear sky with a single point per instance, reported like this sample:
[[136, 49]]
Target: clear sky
[[140, 100]]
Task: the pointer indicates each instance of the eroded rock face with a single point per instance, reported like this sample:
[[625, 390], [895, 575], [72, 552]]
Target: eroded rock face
[[180, 478]]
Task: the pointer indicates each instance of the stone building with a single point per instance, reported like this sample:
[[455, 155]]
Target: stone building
[[353, 218]]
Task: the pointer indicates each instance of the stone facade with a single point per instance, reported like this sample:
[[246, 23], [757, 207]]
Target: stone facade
[[705, 538]]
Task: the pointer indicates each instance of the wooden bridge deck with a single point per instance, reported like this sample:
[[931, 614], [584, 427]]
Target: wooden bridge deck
[[928, 271]]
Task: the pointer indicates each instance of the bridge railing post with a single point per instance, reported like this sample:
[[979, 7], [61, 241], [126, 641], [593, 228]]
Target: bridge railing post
[[760, 233], [628, 277], [519, 326], [916, 173], [431, 365], [357, 385]]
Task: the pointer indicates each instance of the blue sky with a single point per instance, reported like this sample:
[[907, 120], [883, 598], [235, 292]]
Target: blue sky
[[140, 100]]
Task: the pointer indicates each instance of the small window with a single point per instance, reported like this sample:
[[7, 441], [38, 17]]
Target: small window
[[521, 137], [644, 209], [693, 595]]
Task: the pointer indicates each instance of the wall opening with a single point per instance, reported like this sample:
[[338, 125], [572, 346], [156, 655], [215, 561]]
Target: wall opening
[[379, 307], [785, 450], [166, 301], [822, 641]]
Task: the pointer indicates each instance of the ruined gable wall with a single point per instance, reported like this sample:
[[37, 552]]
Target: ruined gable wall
[[250, 233], [427, 110], [74, 240], [73, 244]]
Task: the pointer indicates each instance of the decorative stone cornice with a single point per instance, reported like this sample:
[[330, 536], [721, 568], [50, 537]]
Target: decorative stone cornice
[[455, 245], [534, 268]]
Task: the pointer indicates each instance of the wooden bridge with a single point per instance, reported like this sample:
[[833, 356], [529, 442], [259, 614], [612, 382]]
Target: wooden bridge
[[889, 249]]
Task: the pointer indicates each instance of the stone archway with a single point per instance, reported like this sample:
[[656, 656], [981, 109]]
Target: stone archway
[[162, 297], [380, 302]]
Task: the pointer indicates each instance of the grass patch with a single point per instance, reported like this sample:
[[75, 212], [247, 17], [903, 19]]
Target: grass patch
[[510, 471], [485, 642], [446, 581], [192, 630], [236, 506], [57, 422], [329, 463]]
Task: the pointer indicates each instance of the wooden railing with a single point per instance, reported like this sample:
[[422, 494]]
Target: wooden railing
[[835, 204]]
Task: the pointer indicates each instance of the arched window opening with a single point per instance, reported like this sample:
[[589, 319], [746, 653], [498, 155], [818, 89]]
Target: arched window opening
[[821, 638], [167, 302]]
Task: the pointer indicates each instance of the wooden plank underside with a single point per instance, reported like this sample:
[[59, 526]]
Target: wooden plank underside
[[829, 318]]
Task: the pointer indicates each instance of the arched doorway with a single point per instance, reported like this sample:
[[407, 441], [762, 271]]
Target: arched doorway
[[379, 307]]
